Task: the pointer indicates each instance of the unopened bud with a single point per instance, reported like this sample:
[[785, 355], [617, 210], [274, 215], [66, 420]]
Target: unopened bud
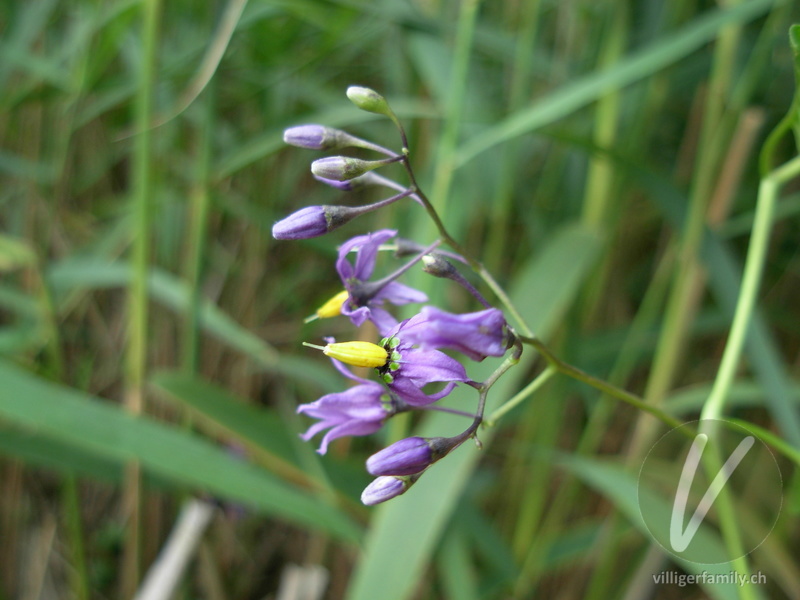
[[313, 137], [305, 223], [369, 100], [343, 168], [314, 221], [438, 266], [385, 488], [407, 456]]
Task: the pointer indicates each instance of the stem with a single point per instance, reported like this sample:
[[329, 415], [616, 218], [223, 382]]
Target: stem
[[528, 390], [199, 207], [137, 293], [599, 384], [452, 411], [484, 387], [474, 264], [754, 266], [361, 210], [370, 289]]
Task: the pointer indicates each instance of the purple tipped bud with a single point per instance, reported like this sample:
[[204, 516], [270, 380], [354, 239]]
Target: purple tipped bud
[[313, 137], [383, 489], [314, 221], [406, 457], [305, 223], [319, 137], [342, 168]]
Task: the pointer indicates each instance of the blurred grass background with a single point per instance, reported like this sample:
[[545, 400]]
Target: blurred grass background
[[601, 159]]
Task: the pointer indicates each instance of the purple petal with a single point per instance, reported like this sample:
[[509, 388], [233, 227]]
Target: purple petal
[[360, 402], [367, 251], [398, 294], [426, 366], [346, 372], [383, 320], [411, 394], [348, 429], [357, 316], [478, 334]]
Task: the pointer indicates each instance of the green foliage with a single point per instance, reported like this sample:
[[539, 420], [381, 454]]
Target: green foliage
[[603, 160]]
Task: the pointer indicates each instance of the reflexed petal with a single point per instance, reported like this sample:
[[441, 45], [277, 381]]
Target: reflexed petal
[[348, 429], [357, 316], [366, 247], [407, 391], [346, 372], [382, 319], [398, 293]]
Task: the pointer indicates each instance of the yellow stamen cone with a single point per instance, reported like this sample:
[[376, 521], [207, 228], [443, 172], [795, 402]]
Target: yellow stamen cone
[[332, 308], [358, 354]]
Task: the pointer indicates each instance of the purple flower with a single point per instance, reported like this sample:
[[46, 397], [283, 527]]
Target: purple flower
[[361, 410], [406, 457], [366, 300], [478, 334], [383, 489], [409, 369]]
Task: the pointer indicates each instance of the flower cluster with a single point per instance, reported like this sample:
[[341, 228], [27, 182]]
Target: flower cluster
[[409, 357]]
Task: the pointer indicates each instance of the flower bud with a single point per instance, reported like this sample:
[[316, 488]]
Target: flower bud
[[358, 354], [343, 168], [319, 137], [305, 223], [406, 457], [384, 488], [438, 266], [369, 100], [313, 137], [313, 221]]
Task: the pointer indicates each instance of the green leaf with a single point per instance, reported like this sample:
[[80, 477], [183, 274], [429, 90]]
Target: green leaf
[[15, 254], [174, 294], [187, 460], [641, 64]]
